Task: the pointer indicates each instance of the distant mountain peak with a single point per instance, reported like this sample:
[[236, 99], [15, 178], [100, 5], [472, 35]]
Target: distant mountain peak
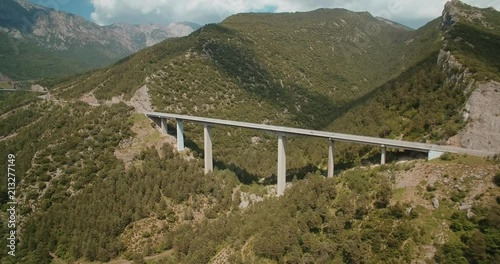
[[392, 23], [28, 5], [455, 11], [59, 30]]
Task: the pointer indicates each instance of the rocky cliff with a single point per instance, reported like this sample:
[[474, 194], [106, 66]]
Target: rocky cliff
[[481, 111]]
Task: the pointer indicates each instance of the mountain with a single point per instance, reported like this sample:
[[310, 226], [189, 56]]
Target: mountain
[[97, 181], [471, 62], [326, 69], [467, 68], [242, 52], [54, 43]]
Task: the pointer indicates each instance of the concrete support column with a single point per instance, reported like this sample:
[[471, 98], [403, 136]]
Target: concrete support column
[[164, 127], [382, 158], [331, 157], [280, 188], [180, 135], [434, 154], [209, 165]]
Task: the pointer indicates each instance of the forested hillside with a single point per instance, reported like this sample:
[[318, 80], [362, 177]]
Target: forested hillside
[[245, 69], [98, 182]]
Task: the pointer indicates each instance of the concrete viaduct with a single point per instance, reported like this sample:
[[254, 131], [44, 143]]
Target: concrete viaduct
[[434, 151], [19, 90]]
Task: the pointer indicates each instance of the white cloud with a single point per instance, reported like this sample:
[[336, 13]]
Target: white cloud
[[202, 11]]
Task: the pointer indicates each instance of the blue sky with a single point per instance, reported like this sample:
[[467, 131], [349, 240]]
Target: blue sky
[[413, 13]]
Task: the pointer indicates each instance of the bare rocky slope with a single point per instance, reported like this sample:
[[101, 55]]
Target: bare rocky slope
[[481, 111]]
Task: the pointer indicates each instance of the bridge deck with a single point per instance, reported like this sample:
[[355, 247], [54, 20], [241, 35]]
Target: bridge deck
[[20, 90], [325, 134]]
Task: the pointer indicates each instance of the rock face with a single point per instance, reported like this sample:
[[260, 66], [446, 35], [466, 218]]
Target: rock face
[[435, 203], [4, 78], [483, 116], [141, 101], [38, 88], [482, 110], [454, 12], [148, 35]]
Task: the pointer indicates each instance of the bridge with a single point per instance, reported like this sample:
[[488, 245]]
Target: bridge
[[433, 151], [21, 90]]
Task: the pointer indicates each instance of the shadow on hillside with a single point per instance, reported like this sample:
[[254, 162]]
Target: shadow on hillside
[[318, 111], [14, 16], [245, 177], [240, 64], [374, 158], [294, 174], [308, 108]]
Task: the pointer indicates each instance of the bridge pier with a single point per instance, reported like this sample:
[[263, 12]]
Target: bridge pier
[[163, 124], [180, 135], [331, 157], [207, 133], [434, 154], [382, 158], [280, 188]]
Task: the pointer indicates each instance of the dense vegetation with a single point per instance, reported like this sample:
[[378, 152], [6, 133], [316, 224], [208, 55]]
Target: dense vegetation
[[80, 202], [417, 106], [479, 238], [64, 138], [93, 220], [475, 41], [349, 219], [230, 71], [61, 151]]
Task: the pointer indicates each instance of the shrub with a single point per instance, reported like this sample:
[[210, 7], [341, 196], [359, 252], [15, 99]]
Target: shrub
[[447, 157], [383, 197], [458, 196], [496, 179]]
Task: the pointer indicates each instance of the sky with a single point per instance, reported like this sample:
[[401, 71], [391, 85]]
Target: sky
[[412, 13]]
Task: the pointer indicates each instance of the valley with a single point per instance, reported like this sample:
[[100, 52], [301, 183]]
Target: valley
[[40, 42], [100, 182]]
